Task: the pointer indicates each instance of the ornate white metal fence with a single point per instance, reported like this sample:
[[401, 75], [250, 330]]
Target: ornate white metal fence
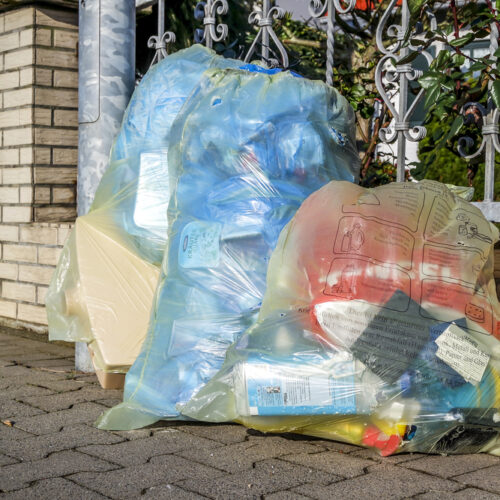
[[390, 42]]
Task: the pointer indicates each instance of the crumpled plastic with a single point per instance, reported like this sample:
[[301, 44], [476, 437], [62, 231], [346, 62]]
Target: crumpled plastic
[[246, 149], [103, 288], [380, 326]]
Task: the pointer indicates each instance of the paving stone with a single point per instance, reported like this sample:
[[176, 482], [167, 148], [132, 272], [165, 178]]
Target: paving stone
[[240, 456], [140, 451], [5, 460], [485, 479], [285, 495], [453, 465], [57, 364], [17, 476], [12, 410], [53, 488], [24, 354], [24, 358], [90, 378], [12, 353], [332, 461], [8, 433], [14, 371], [24, 375], [222, 433], [465, 494], [371, 454], [70, 437], [109, 402], [5, 383], [63, 401], [20, 391], [26, 345], [63, 385], [129, 482], [384, 482], [166, 491], [334, 445], [134, 434], [268, 476], [47, 423]]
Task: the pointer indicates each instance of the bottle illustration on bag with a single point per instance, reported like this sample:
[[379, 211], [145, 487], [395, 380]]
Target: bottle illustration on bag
[[353, 239], [470, 230], [345, 285]]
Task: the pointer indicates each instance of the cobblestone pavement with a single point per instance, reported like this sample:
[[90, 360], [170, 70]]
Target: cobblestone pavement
[[49, 449]]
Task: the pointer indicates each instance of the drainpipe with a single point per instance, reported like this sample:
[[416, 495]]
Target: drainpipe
[[106, 74]]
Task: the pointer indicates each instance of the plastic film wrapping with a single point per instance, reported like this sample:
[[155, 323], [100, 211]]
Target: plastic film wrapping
[[379, 327], [247, 149], [104, 284]]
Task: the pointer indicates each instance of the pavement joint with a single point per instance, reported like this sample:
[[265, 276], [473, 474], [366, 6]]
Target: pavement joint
[[53, 450]]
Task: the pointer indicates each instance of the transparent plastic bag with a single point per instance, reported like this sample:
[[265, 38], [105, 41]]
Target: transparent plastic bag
[[102, 290], [247, 149], [379, 327]]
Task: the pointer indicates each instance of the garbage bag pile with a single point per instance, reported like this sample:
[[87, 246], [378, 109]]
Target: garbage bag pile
[[378, 323], [246, 149], [379, 327], [104, 285]]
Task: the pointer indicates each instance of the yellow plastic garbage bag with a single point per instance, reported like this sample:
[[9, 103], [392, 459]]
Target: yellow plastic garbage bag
[[379, 326]]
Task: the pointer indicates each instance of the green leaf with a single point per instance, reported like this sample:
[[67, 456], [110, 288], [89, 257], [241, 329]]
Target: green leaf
[[448, 84], [442, 58], [477, 66], [495, 93], [440, 112], [455, 127], [408, 58], [416, 5], [458, 60], [438, 133], [460, 42], [431, 96], [430, 78]]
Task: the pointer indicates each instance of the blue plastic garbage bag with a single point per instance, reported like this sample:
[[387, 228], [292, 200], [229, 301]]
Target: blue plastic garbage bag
[[103, 287], [245, 151], [135, 185]]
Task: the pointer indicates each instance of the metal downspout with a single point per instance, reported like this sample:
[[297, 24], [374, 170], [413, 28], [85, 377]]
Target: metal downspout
[[106, 74]]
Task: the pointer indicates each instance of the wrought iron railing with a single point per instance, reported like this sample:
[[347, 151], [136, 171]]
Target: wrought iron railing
[[394, 44]]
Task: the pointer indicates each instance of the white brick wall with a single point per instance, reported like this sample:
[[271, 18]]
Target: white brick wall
[[38, 155]]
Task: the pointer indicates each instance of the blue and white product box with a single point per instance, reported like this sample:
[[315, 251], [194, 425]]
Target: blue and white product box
[[295, 388]]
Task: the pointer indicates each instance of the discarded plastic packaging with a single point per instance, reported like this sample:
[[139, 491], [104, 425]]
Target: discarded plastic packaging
[[247, 148], [380, 326], [104, 285]]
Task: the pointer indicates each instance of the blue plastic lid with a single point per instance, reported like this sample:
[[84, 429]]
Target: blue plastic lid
[[255, 68]]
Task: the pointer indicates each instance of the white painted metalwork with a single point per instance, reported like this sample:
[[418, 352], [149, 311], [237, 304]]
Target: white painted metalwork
[[389, 73], [263, 17], [490, 144], [212, 32], [320, 8], [160, 41]]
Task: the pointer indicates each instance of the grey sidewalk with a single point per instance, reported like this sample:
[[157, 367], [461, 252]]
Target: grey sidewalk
[[49, 449]]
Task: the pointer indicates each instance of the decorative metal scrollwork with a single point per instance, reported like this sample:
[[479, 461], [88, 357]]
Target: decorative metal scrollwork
[[159, 42], [488, 121], [263, 17], [160, 45], [318, 9], [389, 73], [207, 11]]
